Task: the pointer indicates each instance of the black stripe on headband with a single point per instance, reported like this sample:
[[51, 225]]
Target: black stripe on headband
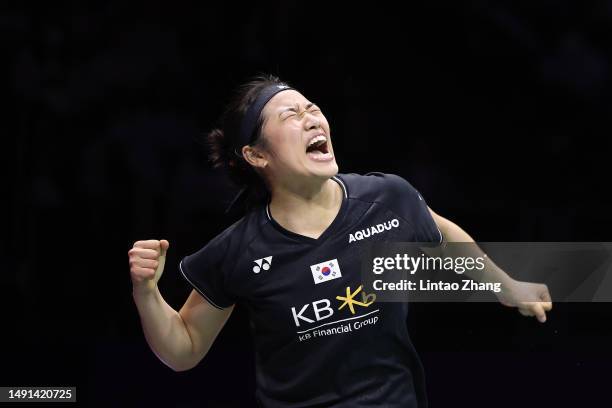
[[249, 121]]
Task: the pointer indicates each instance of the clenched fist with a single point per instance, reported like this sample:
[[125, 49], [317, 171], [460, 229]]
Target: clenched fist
[[531, 299], [147, 259]]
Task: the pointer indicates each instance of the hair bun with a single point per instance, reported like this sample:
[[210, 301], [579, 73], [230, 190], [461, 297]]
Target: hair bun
[[217, 142]]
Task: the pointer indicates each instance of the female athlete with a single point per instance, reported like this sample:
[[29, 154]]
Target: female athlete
[[293, 262]]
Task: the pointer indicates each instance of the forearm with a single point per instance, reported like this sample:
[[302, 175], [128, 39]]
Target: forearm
[[491, 272], [164, 330], [532, 299]]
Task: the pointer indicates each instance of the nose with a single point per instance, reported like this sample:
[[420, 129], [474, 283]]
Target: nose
[[311, 121]]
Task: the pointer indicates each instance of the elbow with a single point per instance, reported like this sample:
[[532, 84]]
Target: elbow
[[178, 369], [178, 365], [181, 367], [186, 363]]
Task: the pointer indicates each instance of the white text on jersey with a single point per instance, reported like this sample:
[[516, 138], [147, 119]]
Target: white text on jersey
[[374, 229]]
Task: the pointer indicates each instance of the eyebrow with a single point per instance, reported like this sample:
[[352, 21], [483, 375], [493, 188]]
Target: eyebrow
[[293, 108]]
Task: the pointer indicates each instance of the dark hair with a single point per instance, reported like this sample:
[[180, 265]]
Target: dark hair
[[224, 152]]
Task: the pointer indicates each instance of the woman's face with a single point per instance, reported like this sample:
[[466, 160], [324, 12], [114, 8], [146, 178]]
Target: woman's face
[[298, 138]]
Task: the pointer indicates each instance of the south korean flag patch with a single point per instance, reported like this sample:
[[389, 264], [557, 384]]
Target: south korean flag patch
[[325, 271]]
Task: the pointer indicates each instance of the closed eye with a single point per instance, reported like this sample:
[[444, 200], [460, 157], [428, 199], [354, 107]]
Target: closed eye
[[313, 108], [290, 112]]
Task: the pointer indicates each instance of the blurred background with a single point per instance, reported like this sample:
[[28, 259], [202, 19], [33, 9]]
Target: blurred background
[[498, 112]]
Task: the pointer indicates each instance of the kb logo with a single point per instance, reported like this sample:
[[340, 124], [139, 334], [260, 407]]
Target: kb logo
[[349, 299], [323, 309], [262, 263]]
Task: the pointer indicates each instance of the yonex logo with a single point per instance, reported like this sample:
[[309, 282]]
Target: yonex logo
[[282, 86], [262, 263]]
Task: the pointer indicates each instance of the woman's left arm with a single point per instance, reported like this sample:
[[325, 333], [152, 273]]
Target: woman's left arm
[[531, 299]]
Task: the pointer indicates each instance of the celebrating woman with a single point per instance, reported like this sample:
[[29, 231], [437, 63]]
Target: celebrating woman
[[320, 339]]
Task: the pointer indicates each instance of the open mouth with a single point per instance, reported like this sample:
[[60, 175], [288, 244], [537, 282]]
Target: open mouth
[[318, 149]]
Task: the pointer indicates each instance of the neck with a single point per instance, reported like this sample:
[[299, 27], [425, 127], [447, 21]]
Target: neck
[[303, 207], [312, 194]]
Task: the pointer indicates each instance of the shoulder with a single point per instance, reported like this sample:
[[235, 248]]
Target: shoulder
[[394, 193], [227, 242], [378, 186], [209, 269]]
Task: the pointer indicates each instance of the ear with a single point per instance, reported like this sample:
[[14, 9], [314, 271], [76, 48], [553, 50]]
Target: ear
[[254, 156]]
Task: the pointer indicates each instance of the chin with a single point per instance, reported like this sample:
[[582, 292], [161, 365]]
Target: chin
[[325, 171]]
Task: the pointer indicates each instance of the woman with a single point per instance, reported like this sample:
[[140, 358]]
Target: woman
[[320, 340]]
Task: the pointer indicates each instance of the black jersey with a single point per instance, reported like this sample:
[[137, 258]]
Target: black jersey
[[320, 340]]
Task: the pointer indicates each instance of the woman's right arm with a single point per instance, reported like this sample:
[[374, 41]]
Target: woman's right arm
[[179, 339]]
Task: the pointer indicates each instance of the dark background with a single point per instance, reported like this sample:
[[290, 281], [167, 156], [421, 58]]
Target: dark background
[[497, 112]]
